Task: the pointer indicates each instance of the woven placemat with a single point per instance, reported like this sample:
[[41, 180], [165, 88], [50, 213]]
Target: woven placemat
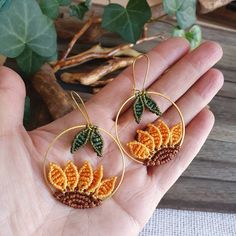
[[168, 222]]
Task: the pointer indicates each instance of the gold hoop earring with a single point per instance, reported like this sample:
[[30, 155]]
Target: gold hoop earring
[[82, 187], [156, 144]]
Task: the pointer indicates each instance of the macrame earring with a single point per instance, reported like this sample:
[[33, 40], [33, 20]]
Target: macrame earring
[[81, 186], [157, 143]]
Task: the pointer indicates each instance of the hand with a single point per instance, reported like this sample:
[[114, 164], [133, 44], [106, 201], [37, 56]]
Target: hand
[[27, 207]]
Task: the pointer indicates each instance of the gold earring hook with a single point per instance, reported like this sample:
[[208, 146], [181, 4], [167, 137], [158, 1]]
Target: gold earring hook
[[84, 112], [146, 73]]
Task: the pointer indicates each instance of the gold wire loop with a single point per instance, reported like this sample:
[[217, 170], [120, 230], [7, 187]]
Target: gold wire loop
[[146, 73], [81, 127], [133, 97], [84, 112]]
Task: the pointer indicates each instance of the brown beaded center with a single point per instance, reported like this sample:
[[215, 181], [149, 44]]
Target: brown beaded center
[[77, 200]]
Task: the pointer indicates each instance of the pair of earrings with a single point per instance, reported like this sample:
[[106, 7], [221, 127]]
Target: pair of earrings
[[84, 187]]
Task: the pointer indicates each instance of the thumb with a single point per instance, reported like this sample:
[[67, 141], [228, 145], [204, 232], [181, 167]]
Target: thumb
[[12, 99]]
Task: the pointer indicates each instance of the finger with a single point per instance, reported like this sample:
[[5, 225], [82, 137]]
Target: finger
[[179, 78], [196, 98], [196, 134], [161, 58], [12, 99]]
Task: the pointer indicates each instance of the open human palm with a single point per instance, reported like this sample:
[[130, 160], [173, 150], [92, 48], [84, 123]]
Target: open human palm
[[27, 206]]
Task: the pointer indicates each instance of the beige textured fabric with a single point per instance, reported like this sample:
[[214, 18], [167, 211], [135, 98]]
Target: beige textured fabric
[[167, 222]]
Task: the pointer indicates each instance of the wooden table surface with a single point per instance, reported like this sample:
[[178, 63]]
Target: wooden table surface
[[209, 183]]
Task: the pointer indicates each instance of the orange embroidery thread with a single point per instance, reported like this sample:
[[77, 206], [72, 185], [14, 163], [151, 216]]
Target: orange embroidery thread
[[85, 176], [176, 134], [97, 178], [57, 177], [90, 191], [72, 175], [145, 138], [157, 145], [156, 134], [139, 150], [165, 132]]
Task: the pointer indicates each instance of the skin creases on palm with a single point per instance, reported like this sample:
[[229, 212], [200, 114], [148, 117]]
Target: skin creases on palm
[[27, 206]]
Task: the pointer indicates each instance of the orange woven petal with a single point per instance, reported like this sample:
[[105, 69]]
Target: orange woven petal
[[145, 138], [57, 177], [106, 188], [165, 132], [85, 176], [71, 175], [138, 150], [176, 134], [97, 178], [156, 134]]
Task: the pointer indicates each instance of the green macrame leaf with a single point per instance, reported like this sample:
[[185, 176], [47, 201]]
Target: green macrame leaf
[[96, 141], [151, 105], [138, 108], [80, 139]]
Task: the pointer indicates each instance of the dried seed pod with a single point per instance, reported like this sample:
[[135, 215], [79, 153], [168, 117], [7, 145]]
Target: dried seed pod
[[57, 177], [145, 138], [106, 188], [156, 134], [165, 132], [176, 134], [139, 150], [97, 178], [85, 176], [72, 175]]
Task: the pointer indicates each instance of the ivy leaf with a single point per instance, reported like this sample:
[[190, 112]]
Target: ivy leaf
[[186, 15], [49, 8], [80, 9], [151, 105], [185, 11], [80, 139], [194, 35], [30, 62], [23, 25], [177, 32], [138, 108], [127, 22], [4, 4], [172, 6], [96, 141], [64, 2]]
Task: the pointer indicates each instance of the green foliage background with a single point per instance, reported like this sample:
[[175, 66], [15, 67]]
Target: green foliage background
[[28, 33]]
